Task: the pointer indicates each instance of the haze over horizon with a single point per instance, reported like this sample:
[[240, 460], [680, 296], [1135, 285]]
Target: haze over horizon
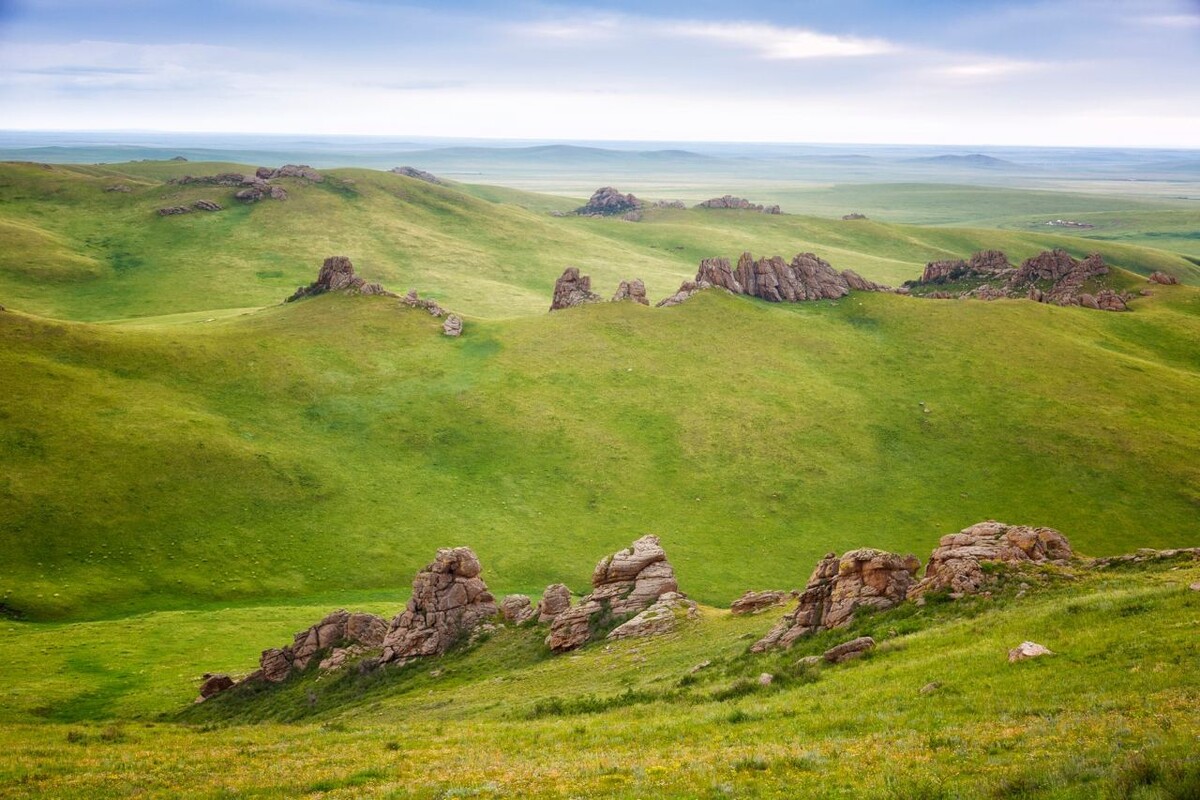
[[1074, 73]]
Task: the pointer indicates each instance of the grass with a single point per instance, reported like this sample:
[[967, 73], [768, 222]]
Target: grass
[[1110, 715]]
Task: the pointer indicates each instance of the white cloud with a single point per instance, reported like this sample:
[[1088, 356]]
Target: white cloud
[[777, 42], [989, 69]]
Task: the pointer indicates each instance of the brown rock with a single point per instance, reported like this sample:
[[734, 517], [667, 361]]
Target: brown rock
[[275, 664], [942, 271], [1027, 650], [338, 628], [1049, 265], [297, 171], [853, 216], [206, 205], [448, 601], [729, 201], [555, 600], [572, 289], [955, 564], [661, 617], [686, 290], [337, 274], [855, 648], [413, 300], [1164, 278], [754, 602], [517, 609], [806, 278], [606, 202], [173, 210], [453, 325], [718, 272], [214, 684], [633, 290], [860, 284], [1108, 300]]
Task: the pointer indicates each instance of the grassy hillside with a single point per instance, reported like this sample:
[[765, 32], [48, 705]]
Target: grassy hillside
[[332, 444], [1110, 715], [74, 251]]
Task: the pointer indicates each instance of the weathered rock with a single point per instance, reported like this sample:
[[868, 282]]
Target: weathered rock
[[930, 687], [419, 174], [453, 325], [517, 609], [337, 274], [676, 204], [263, 173], [1158, 276], [686, 290], [983, 264], [955, 564], [860, 284], [1108, 300], [661, 617], [120, 187], [449, 599], [847, 651], [754, 602], [766, 679], [251, 195], [339, 628], [840, 586], [729, 201], [806, 278], [297, 171], [1027, 650], [623, 584], [853, 216], [1049, 265], [173, 210], [414, 300], [275, 664], [555, 600], [633, 290], [339, 656], [572, 289], [1145, 554], [988, 292], [214, 684], [809, 661], [221, 179], [206, 205], [607, 201], [942, 271]]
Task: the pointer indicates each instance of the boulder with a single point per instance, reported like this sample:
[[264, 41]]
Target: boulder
[[1158, 276], [675, 204], [686, 290], [1108, 300], [214, 684], [860, 284], [555, 600], [517, 609], [1049, 265], [766, 679], [339, 628], [853, 216], [337, 275], [448, 601], [414, 300], [729, 201], [942, 271], [297, 171], [275, 664], [838, 587], [572, 289], [206, 205], [847, 651], [623, 585], [606, 202], [419, 174], [807, 277], [453, 325], [220, 179], [631, 216], [659, 618], [754, 602], [173, 210], [1027, 650], [956, 563], [718, 272], [633, 290]]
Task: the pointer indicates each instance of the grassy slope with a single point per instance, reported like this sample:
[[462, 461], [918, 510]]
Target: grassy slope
[[1110, 715], [75, 251], [334, 443]]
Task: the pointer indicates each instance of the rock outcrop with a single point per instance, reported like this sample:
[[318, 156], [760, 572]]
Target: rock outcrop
[[572, 289], [754, 602], [807, 277], [1028, 650], [214, 684], [414, 300], [517, 609], [661, 617], [337, 275], [633, 290], [290, 171], [448, 601], [555, 600], [853, 216], [686, 290], [847, 651], [1143, 555], [987, 264], [171, 211], [860, 284], [419, 174], [1158, 276], [623, 585], [956, 565], [206, 205], [452, 326], [340, 628], [729, 201], [608, 202], [840, 586]]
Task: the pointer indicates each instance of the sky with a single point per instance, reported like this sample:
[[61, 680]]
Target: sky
[[1070, 72]]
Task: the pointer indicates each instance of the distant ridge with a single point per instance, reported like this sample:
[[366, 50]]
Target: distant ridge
[[565, 152], [977, 160]]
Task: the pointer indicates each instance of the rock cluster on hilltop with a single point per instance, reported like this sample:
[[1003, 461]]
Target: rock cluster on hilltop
[[807, 277], [199, 205], [1053, 276], [729, 201], [572, 289], [854, 215], [337, 275], [290, 171], [555, 600], [414, 300], [1162, 278], [608, 202], [840, 586], [452, 326], [623, 585], [956, 565], [633, 290], [419, 174], [449, 599], [252, 188]]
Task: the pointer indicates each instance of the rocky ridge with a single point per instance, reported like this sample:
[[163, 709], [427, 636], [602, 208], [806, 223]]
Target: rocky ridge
[[572, 289], [419, 174], [608, 202], [337, 275], [729, 201]]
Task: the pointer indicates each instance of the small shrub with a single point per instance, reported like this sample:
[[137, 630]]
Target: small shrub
[[753, 764]]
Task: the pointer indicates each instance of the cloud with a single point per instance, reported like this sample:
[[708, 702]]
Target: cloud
[[774, 42], [1171, 21], [989, 69]]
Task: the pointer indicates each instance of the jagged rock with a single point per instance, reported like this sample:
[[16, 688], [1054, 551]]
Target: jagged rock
[[988, 292], [337, 274], [806, 278], [718, 272], [607, 202], [449, 599], [173, 210], [1108, 300], [983, 264], [1144, 554], [686, 290], [338, 657], [729, 201], [623, 584], [860, 284], [677, 204], [214, 684], [754, 602], [453, 325], [572, 289], [419, 174], [853, 216], [633, 290], [847, 651], [517, 608], [1027, 650], [840, 586], [1158, 276], [659, 618], [413, 300], [221, 179], [942, 271], [956, 564], [1049, 265], [206, 205], [340, 627], [275, 664], [297, 171], [120, 187], [555, 600]]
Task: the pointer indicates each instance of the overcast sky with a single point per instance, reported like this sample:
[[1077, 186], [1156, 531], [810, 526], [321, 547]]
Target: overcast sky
[[1074, 72]]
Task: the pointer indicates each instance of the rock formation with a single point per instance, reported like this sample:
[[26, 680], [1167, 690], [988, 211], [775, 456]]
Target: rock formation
[[220, 179], [631, 216], [206, 205], [555, 600], [124, 189], [853, 216], [452, 326], [633, 290], [984, 264], [729, 201], [517, 609], [686, 290], [337, 275], [214, 684], [291, 171], [661, 617], [806, 278], [847, 651], [419, 174], [676, 204], [840, 586], [956, 564], [607, 202], [754, 602], [171, 211], [572, 289], [623, 585], [448, 601], [1158, 276], [336, 629], [414, 300], [860, 284], [1144, 554], [1027, 650]]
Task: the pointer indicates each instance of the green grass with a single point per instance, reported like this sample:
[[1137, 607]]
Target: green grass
[[1110, 715]]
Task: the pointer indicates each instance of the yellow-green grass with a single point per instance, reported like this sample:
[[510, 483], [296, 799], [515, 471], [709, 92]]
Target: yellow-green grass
[[333, 444], [101, 709], [74, 251]]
